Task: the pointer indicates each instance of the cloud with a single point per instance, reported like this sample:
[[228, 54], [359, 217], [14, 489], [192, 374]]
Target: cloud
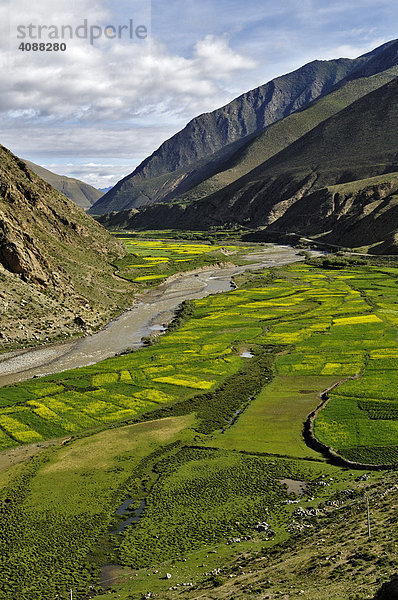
[[213, 55], [111, 99], [351, 50], [119, 99], [112, 80], [119, 82]]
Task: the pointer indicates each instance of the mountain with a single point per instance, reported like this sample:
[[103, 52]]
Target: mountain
[[81, 193], [56, 273], [295, 190], [202, 148], [283, 133], [107, 189]]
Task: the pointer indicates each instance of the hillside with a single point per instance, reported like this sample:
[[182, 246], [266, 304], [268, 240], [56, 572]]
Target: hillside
[[202, 147], [280, 135], [290, 192], [81, 193], [56, 275]]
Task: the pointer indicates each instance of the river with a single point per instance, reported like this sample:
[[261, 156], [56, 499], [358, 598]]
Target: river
[[153, 309]]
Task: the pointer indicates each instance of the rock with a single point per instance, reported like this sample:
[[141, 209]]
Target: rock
[[20, 259], [262, 526], [389, 590], [79, 322], [49, 249]]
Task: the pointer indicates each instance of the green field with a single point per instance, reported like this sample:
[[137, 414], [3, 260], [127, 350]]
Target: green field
[[219, 433], [273, 422], [207, 496], [151, 261], [332, 325], [57, 508]]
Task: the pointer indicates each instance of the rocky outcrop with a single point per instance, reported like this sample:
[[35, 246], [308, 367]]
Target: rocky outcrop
[[363, 213], [55, 261]]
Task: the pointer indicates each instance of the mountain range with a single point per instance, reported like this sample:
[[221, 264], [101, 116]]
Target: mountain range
[[273, 157], [81, 193], [56, 271]]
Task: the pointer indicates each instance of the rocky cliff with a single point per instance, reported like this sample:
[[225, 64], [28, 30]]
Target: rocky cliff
[[55, 262]]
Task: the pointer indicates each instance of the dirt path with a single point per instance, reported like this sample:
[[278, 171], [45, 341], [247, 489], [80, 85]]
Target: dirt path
[[19, 454]]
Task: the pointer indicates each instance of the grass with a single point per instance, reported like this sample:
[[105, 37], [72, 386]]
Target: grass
[[58, 506], [213, 469], [211, 501], [273, 422], [206, 496]]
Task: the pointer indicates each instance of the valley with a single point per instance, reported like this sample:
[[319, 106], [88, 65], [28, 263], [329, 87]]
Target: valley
[[151, 310], [198, 367], [203, 438]]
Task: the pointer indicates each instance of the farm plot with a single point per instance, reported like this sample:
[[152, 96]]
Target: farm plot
[[327, 325], [149, 261], [190, 360], [343, 335]]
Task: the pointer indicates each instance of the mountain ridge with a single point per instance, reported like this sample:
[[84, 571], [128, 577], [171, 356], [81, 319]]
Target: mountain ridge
[[82, 194], [357, 143], [169, 171]]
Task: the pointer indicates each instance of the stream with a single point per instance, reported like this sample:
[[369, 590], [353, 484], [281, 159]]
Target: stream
[[154, 309], [123, 510]]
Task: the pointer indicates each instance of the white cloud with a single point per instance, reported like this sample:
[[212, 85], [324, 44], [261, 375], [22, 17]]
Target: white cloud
[[120, 100], [97, 98], [100, 175], [351, 50], [213, 55]]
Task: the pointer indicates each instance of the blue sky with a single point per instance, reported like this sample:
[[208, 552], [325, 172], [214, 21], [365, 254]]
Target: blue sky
[[94, 112]]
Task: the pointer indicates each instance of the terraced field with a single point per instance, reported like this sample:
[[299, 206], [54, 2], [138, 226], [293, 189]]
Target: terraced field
[[349, 333], [223, 434]]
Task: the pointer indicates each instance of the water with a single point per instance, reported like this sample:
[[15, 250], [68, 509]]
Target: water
[[294, 486], [232, 420], [123, 509], [155, 308]]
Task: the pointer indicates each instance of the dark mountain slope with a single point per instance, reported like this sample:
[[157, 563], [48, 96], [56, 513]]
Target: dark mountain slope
[[280, 135], [81, 193], [55, 261], [361, 213], [357, 143], [197, 152]]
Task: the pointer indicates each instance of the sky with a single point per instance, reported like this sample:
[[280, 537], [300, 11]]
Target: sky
[[97, 108]]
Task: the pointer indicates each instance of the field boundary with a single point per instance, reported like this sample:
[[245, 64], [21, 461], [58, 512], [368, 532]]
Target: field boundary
[[327, 451]]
